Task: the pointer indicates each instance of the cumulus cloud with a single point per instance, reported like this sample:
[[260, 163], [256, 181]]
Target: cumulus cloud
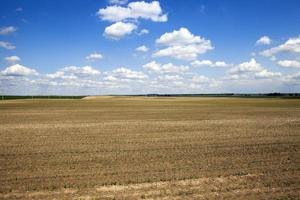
[[143, 32], [291, 45], [209, 63], [200, 79], [292, 78], [125, 73], [7, 30], [18, 70], [245, 67], [110, 78], [182, 44], [165, 68], [142, 48], [133, 10], [60, 75], [189, 52], [94, 56], [289, 63], [169, 78], [251, 68], [221, 64], [267, 74], [180, 83], [114, 13], [70, 80], [119, 30], [166, 79], [12, 59], [54, 75], [264, 40], [122, 15], [73, 72], [81, 71], [7, 45], [179, 37]]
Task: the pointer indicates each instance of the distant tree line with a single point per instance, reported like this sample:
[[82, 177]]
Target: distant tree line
[[275, 94], [12, 97]]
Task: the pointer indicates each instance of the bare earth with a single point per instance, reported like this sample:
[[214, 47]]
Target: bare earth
[[150, 148]]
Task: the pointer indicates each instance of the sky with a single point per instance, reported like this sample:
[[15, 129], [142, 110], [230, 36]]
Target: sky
[[98, 47]]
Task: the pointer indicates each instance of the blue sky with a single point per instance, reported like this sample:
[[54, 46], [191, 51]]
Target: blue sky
[[134, 47]]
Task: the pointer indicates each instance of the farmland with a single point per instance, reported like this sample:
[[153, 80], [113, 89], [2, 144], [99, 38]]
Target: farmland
[[150, 148]]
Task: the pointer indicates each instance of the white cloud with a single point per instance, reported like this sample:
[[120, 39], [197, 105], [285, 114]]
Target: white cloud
[[119, 30], [81, 71], [291, 45], [221, 64], [128, 74], [245, 67], [293, 78], [58, 74], [142, 48], [289, 63], [169, 78], [200, 79], [202, 63], [134, 10], [180, 83], [267, 74], [153, 66], [114, 13], [188, 52], [73, 73], [264, 40], [61, 75], [7, 45], [182, 44], [12, 59], [181, 37], [165, 68], [215, 83], [128, 81], [143, 32], [251, 69], [118, 2], [7, 30], [94, 56], [209, 63], [110, 78], [146, 10], [18, 70]]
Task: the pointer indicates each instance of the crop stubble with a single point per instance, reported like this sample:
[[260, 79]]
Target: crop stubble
[[138, 147]]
